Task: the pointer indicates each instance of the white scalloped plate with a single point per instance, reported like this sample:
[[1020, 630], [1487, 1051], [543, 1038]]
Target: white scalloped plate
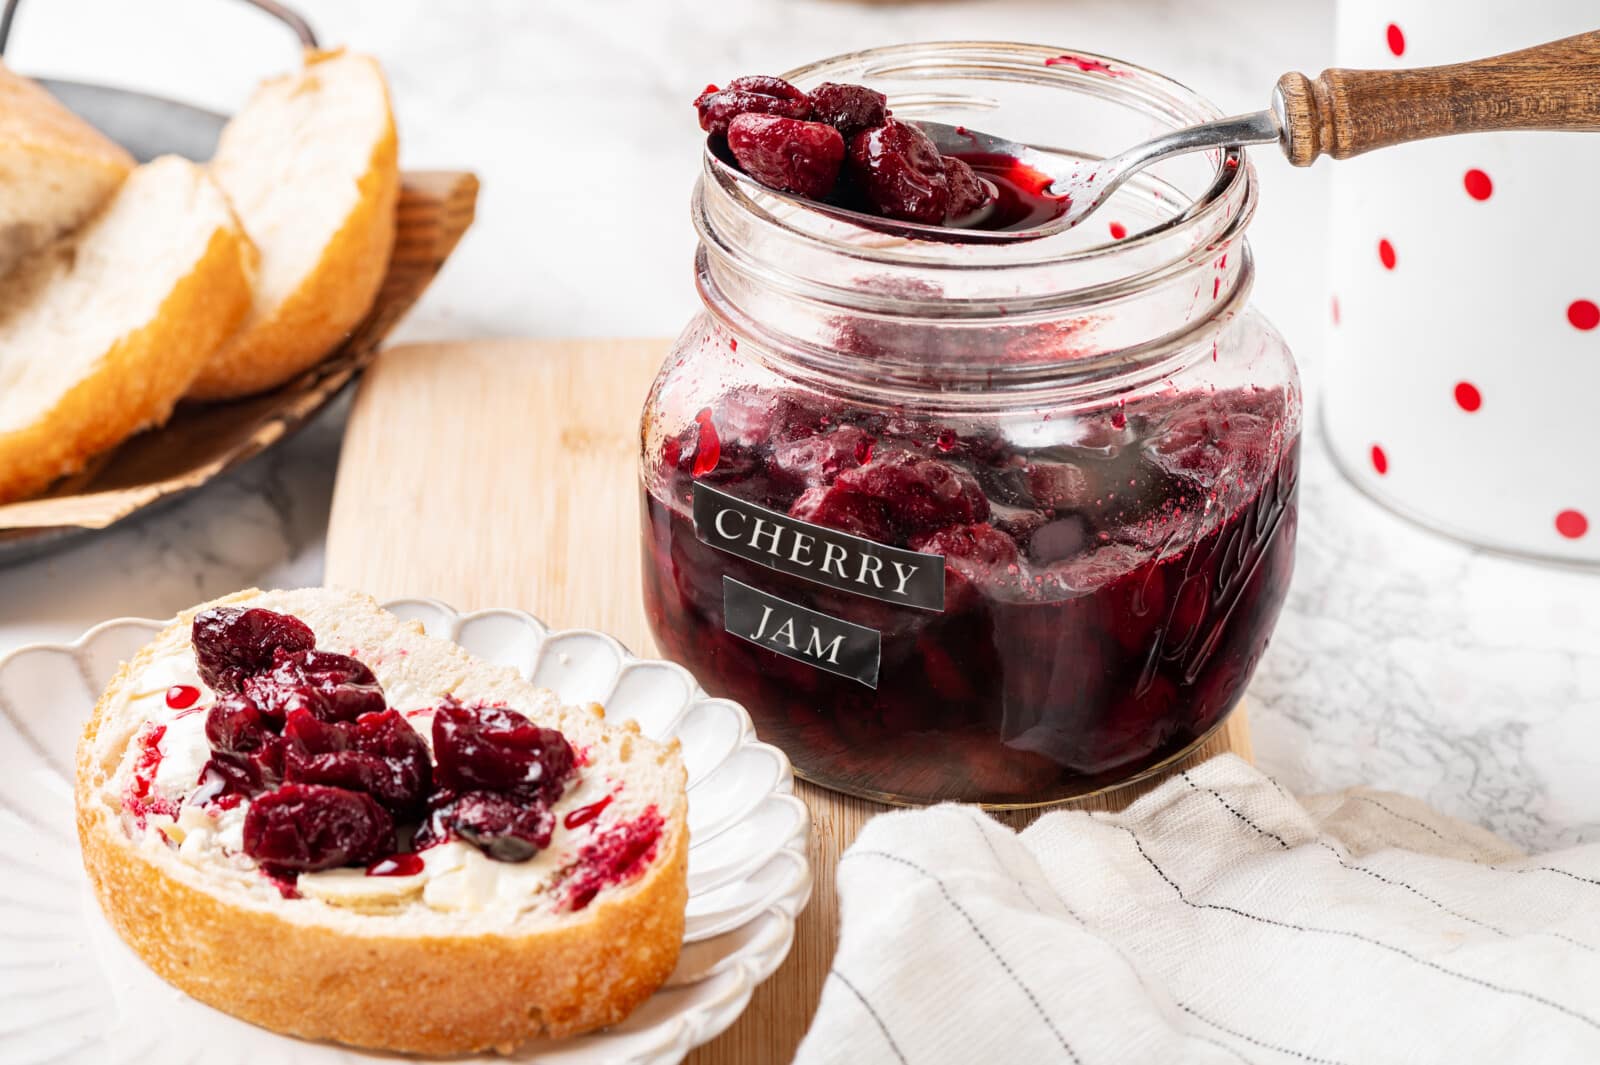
[[71, 992]]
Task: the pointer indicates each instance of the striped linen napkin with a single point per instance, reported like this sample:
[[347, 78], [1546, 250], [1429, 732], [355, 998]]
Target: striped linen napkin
[[1217, 919]]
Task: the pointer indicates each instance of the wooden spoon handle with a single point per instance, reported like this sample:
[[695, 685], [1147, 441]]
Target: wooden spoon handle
[[1347, 112]]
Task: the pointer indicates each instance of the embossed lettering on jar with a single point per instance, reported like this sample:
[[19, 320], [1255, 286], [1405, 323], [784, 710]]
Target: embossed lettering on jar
[[1005, 524]]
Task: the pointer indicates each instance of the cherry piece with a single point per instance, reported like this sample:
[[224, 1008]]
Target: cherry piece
[[787, 154], [1200, 443], [980, 544], [230, 643], [755, 94], [246, 754], [966, 194], [815, 460], [331, 686], [839, 508], [308, 827], [848, 108], [920, 494], [1059, 484], [380, 754], [750, 418], [1019, 523], [505, 828], [497, 749], [234, 725], [899, 172], [972, 553]]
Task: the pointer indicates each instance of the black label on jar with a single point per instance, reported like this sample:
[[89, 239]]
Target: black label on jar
[[827, 556], [804, 635]]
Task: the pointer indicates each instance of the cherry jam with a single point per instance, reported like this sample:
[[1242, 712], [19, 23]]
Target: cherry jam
[[1110, 582], [961, 518], [1025, 196]]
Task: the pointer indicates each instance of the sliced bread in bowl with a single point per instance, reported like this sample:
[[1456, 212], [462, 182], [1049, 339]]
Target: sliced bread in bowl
[[55, 168], [472, 946], [311, 166], [102, 331]]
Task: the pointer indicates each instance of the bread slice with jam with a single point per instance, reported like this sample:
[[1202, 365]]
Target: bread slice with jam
[[304, 811]]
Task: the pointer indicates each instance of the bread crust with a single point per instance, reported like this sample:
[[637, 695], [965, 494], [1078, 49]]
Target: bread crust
[[140, 379], [329, 302], [35, 125], [282, 969], [31, 117]]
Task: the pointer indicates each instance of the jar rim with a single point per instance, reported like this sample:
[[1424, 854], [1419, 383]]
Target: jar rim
[[1130, 84]]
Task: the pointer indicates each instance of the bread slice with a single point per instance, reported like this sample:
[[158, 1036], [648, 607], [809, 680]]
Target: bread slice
[[102, 331], [311, 166], [55, 169], [410, 968]]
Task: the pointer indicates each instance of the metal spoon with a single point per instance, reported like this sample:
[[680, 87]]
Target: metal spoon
[[1342, 113], [1081, 192]]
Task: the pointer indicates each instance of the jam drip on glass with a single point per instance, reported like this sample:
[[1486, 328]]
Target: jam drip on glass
[[1108, 590]]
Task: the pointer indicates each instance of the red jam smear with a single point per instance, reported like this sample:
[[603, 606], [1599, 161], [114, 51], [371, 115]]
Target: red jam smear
[[614, 856], [1085, 64], [137, 799], [1106, 599], [397, 865], [584, 814]]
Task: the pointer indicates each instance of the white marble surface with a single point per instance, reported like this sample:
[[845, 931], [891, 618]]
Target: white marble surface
[[1402, 661]]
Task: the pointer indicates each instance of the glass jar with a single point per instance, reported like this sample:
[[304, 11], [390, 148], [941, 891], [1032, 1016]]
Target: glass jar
[[1007, 523]]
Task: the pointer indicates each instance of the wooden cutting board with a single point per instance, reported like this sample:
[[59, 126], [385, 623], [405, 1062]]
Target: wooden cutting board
[[503, 473]]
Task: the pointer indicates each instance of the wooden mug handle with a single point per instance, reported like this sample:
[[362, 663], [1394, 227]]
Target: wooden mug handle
[[1346, 112]]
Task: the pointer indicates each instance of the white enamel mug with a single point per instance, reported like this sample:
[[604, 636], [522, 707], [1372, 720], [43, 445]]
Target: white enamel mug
[[1462, 385]]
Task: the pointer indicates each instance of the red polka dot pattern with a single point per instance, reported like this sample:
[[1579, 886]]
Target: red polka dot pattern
[[1583, 314], [1397, 40], [1572, 524]]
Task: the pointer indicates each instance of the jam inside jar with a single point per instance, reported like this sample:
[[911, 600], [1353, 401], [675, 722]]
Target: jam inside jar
[[1005, 524]]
